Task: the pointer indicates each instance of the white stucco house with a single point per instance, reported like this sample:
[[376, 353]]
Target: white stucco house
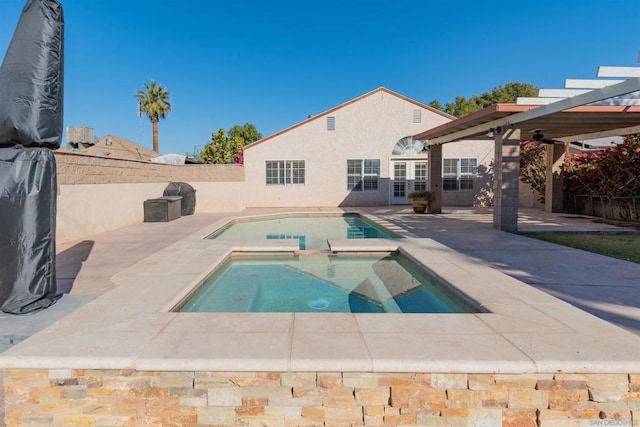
[[361, 153]]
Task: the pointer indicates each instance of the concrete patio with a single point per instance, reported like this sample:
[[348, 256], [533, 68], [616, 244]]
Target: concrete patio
[[602, 286]]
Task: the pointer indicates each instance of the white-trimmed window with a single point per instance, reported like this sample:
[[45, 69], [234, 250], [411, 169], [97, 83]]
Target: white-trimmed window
[[284, 172], [363, 174], [417, 116], [459, 174], [420, 176]]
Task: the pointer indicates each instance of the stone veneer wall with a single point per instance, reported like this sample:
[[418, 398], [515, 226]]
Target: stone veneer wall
[[74, 169], [70, 397]]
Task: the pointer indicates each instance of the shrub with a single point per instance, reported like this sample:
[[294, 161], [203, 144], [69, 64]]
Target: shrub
[[533, 168], [612, 172], [421, 194]]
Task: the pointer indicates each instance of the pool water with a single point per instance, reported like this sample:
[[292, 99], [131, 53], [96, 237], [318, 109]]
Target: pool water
[[311, 231], [322, 283]]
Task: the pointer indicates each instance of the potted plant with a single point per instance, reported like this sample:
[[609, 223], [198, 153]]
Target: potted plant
[[421, 200]]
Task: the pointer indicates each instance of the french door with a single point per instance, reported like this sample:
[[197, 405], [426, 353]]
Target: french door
[[408, 175]]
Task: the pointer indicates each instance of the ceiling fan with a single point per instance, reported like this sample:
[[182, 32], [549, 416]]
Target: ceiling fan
[[538, 137]]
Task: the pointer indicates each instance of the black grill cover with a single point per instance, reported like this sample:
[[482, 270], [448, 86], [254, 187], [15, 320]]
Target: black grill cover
[[188, 194], [31, 78], [27, 229]]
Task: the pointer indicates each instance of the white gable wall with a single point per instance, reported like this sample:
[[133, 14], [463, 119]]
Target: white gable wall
[[366, 128]]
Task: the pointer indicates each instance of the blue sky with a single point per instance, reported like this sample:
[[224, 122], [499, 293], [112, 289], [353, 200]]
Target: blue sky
[[272, 63]]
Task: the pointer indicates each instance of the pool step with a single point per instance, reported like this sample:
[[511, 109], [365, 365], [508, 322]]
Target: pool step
[[363, 245], [265, 246]]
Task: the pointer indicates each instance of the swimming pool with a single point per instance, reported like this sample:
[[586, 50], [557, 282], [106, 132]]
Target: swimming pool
[[323, 283], [311, 231]]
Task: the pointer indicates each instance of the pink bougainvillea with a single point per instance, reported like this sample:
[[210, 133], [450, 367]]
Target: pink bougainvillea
[[613, 172], [533, 168], [238, 158]]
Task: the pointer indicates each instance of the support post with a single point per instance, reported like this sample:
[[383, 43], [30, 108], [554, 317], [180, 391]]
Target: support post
[[507, 167], [554, 185], [435, 177]]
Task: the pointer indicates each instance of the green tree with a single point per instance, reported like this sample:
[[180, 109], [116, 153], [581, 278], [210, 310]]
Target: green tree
[[462, 106], [241, 136], [511, 91], [436, 104], [154, 102], [247, 133], [217, 151], [228, 147]]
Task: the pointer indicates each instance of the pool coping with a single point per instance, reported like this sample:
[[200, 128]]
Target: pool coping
[[130, 327]]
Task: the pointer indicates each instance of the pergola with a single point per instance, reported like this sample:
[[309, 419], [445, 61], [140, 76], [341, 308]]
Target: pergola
[[569, 119]]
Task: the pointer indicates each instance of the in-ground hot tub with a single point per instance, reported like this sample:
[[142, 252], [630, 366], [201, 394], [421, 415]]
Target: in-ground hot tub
[[329, 283]]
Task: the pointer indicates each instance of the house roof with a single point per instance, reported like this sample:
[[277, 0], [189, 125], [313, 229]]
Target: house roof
[[593, 145], [115, 147], [578, 123], [353, 101]]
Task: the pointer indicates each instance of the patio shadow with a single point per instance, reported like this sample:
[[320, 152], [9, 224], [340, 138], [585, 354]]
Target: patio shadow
[[69, 263]]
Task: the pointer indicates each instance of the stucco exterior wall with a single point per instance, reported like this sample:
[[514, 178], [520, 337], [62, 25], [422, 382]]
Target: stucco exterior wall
[[219, 196], [527, 197], [98, 194], [366, 128], [87, 209], [482, 195]]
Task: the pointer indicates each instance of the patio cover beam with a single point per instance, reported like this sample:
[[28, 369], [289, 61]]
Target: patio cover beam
[[627, 86], [605, 71], [588, 83], [482, 128], [604, 134]]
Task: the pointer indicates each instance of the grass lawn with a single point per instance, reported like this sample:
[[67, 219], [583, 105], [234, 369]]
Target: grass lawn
[[626, 247]]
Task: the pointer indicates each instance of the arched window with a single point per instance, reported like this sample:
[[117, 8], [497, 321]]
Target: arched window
[[407, 146]]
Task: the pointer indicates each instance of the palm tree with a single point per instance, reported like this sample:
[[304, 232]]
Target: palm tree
[[154, 102]]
